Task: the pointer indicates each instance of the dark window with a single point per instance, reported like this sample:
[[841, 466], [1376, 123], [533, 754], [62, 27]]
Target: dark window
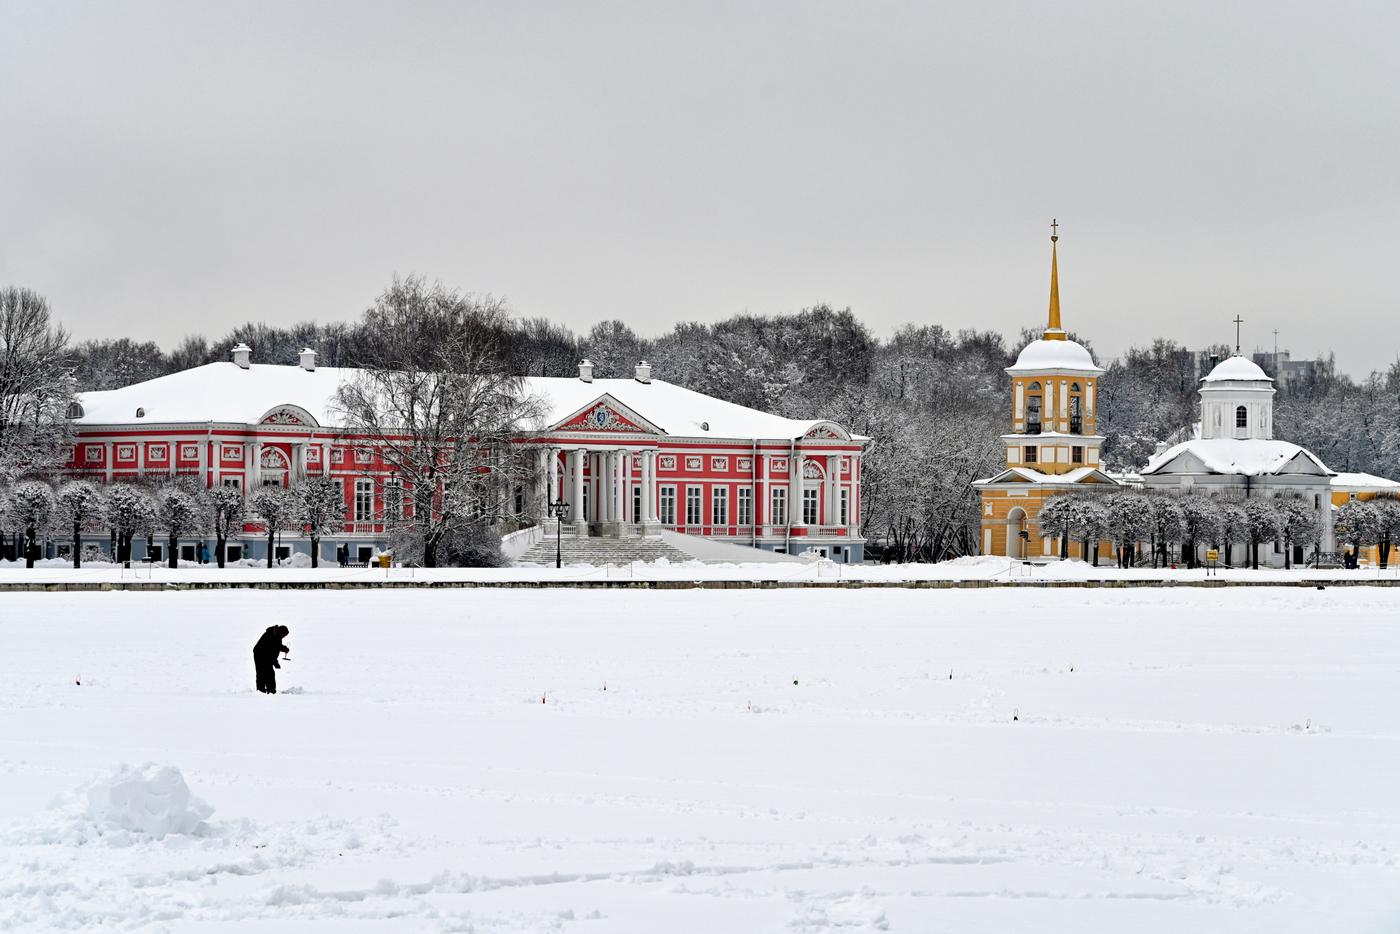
[[1076, 455], [1030, 454], [1241, 417]]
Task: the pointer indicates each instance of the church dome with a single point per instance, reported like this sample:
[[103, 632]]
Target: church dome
[[1061, 356], [1237, 368]]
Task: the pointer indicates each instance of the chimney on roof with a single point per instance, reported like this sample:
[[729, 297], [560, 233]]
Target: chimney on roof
[[240, 355], [643, 372], [308, 359], [585, 371]]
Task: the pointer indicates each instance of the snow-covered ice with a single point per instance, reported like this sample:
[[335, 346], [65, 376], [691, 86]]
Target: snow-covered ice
[[1179, 760]]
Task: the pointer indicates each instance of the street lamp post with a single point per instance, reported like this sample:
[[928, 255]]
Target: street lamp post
[[560, 511]]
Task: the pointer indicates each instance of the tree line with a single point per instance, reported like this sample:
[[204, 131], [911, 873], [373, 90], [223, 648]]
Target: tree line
[[934, 401], [1173, 524]]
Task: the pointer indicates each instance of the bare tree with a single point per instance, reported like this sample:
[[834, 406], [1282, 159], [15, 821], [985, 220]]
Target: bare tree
[[320, 511], [445, 415], [277, 508], [129, 511], [31, 507], [1298, 524], [79, 502], [35, 387], [180, 513], [227, 505], [1262, 522]]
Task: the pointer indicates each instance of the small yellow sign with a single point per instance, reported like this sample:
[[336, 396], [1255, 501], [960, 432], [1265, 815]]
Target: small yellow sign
[[1212, 555]]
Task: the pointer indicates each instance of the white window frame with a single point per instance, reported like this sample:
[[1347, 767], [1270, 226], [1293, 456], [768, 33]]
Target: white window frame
[[777, 506], [845, 508], [694, 505], [666, 504], [811, 506], [719, 505], [396, 510], [744, 506], [365, 486]]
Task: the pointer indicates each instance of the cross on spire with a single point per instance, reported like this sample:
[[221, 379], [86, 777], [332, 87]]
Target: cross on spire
[[1054, 230], [1238, 322]]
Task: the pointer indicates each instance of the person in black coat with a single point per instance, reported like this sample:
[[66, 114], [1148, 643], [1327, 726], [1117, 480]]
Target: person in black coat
[[265, 654]]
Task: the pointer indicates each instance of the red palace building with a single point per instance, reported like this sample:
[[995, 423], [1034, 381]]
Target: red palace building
[[631, 457]]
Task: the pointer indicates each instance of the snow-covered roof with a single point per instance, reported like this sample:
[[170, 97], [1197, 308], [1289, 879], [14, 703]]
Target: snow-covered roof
[[227, 393], [1364, 483], [1236, 368], [1060, 356], [1253, 457], [673, 409], [1032, 475]]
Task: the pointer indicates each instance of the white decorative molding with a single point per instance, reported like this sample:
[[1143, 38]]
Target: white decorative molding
[[364, 456], [811, 470], [667, 461], [719, 464], [337, 455], [745, 463], [92, 453], [283, 416], [695, 463], [779, 464], [126, 452], [189, 452], [157, 452], [231, 452], [602, 417], [273, 459]]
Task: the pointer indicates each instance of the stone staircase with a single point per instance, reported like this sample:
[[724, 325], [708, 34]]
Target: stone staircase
[[600, 551]]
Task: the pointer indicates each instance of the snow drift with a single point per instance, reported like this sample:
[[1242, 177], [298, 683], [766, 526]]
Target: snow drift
[[150, 800]]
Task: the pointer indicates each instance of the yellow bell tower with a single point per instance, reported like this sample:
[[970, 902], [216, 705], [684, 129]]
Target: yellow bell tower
[[1053, 445], [1054, 385]]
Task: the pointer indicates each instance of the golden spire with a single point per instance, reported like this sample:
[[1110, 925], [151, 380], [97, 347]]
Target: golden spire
[[1054, 332]]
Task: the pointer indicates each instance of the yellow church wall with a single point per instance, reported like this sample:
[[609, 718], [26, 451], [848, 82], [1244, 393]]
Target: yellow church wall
[[997, 507]]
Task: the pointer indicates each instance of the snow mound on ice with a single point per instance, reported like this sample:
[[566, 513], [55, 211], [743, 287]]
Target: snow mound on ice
[[150, 800]]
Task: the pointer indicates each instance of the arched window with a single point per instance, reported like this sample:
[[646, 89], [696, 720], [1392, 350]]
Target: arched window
[[1033, 402], [75, 410], [1241, 417], [1076, 409]]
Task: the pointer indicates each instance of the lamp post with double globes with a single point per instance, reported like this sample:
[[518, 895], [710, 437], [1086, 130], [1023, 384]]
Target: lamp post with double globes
[[560, 511]]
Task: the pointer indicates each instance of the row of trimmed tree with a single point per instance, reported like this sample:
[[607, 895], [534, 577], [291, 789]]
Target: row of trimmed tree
[[1168, 522], [182, 508]]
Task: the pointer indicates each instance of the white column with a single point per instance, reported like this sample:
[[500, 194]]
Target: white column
[[107, 456], [833, 488], [795, 490], [256, 450], [851, 520], [649, 486], [203, 461], [576, 507], [214, 454], [551, 477], [763, 499], [140, 458], [601, 485], [325, 459], [621, 485]]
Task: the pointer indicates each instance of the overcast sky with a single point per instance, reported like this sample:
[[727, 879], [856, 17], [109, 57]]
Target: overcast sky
[[183, 167]]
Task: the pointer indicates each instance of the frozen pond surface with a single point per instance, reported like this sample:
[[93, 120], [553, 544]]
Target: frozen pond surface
[[1182, 760]]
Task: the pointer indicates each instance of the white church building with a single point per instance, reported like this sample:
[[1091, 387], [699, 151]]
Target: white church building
[[1236, 453]]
